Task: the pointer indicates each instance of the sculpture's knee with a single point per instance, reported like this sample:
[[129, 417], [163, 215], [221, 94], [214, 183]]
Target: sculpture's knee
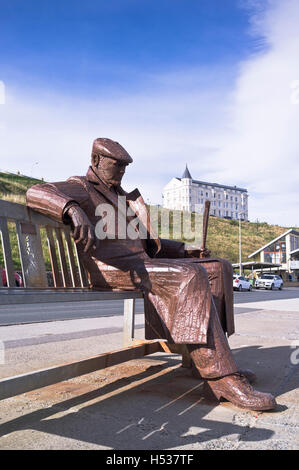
[[197, 274]]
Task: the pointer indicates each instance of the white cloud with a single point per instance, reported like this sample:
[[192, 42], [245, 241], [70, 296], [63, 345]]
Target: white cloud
[[262, 150], [163, 128], [236, 127]]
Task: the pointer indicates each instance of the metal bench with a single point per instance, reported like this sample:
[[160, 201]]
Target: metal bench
[[35, 232]]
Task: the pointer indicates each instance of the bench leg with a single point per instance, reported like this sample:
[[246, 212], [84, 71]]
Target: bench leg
[[178, 349], [129, 322]]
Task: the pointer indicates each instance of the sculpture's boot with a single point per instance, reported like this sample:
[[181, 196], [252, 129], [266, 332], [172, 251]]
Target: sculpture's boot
[[236, 389], [250, 376]]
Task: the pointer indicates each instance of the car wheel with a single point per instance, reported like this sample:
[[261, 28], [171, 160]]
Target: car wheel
[[272, 286], [250, 289], [280, 288], [240, 288]]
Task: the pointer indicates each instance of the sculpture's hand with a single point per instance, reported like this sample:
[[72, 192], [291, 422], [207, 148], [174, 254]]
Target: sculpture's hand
[[83, 230], [193, 251]]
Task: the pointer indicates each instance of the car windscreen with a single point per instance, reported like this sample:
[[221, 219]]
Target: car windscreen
[[265, 276]]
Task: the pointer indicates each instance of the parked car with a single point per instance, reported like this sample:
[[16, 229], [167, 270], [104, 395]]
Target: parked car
[[240, 283], [18, 279], [269, 281]]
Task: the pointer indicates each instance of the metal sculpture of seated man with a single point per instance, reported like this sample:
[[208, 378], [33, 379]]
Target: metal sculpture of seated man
[[188, 294]]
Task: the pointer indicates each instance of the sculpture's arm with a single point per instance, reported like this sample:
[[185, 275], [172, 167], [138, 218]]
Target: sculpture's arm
[[54, 199], [61, 202]]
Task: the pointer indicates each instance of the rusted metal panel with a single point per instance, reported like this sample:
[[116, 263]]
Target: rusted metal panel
[[16, 385]]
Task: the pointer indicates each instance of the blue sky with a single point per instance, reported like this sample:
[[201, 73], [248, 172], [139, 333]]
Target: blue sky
[[207, 82], [95, 46]]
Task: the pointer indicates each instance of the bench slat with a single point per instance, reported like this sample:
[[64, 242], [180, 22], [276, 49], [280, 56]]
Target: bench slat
[[8, 263], [18, 384], [31, 253], [71, 258], [10, 296], [53, 257], [62, 258], [82, 272]]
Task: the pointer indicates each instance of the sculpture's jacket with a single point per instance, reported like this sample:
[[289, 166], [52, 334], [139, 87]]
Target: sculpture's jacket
[[177, 289]]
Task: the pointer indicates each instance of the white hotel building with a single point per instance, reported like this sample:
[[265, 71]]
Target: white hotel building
[[188, 194]]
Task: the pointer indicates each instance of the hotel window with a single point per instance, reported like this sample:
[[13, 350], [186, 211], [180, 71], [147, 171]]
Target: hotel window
[[276, 253]]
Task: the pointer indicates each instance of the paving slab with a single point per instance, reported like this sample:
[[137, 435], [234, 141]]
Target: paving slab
[[153, 403]]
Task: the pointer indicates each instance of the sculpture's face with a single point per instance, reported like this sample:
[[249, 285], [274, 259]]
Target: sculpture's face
[[110, 170]]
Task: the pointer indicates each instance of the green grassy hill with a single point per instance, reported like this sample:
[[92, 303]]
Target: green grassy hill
[[13, 187], [223, 234]]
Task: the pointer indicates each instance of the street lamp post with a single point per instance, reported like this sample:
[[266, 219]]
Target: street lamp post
[[240, 243]]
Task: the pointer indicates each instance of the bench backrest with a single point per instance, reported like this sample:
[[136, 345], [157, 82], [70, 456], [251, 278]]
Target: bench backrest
[[35, 233]]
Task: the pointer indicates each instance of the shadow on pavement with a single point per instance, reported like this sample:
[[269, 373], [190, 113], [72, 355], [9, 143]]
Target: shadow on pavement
[[152, 411]]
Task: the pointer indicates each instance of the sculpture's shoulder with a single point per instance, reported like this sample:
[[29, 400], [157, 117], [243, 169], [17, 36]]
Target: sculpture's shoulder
[[79, 184], [78, 180]]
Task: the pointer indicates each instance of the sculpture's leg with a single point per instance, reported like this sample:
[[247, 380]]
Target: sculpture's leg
[[215, 358], [217, 366], [220, 275]]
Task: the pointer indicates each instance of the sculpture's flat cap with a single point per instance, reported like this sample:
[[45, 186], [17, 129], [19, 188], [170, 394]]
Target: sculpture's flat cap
[[112, 149]]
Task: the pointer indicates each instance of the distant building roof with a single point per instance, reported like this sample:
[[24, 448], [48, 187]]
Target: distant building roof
[[295, 232], [256, 265], [212, 184], [186, 173]]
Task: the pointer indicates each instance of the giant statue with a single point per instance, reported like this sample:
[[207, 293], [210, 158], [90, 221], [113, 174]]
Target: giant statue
[[188, 294]]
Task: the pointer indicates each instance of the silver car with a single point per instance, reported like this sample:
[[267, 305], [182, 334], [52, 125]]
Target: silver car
[[269, 281]]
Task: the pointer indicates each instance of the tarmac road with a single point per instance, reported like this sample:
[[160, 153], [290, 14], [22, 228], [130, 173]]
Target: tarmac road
[[287, 299], [45, 312]]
